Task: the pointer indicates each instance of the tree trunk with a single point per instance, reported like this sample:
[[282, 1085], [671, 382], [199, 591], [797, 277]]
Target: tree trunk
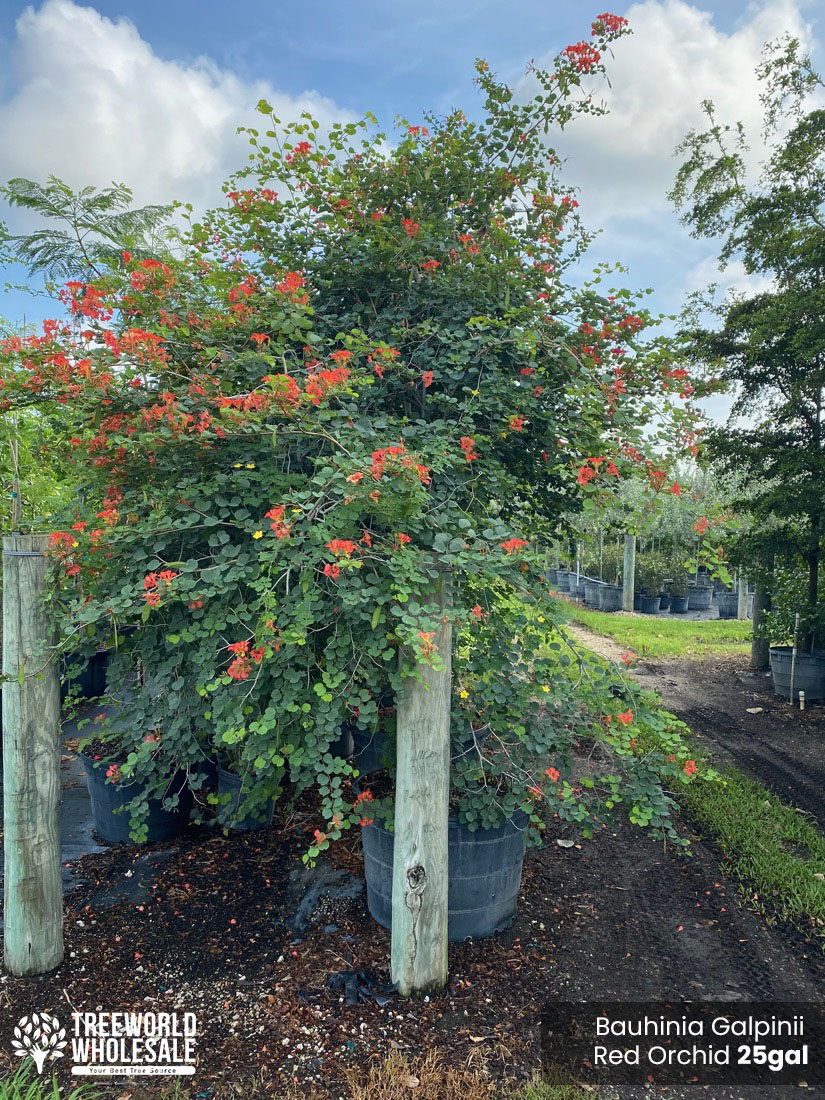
[[420, 882], [760, 647], [629, 573], [33, 892], [813, 580]]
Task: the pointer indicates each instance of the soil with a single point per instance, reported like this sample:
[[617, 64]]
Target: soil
[[735, 715], [208, 925]]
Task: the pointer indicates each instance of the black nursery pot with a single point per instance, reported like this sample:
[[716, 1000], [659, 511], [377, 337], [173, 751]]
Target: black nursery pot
[[106, 798], [678, 605], [259, 818], [649, 605], [484, 869], [90, 680], [808, 669]]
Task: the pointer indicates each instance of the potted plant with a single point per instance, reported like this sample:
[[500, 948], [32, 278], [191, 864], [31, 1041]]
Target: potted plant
[[649, 572], [126, 807], [264, 485], [242, 804], [678, 586], [532, 713]]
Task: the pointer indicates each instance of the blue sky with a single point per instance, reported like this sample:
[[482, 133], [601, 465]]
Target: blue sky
[[150, 93]]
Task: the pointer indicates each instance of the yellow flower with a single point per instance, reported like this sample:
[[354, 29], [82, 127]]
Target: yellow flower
[[540, 618], [464, 695], [295, 511], [258, 535], [474, 393], [237, 465], [545, 688], [75, 543], [250, 465]]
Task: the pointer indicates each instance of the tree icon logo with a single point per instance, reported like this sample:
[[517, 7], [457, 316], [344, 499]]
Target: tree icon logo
[[39, 1037]]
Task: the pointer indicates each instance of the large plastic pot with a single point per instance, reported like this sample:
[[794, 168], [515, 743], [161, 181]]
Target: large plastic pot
[[484, 870], [809, 673], [664, 601], [649, 605], [552, 576], [678, 605], [90, 679], [610, 597], [563, 581], [591, 592], [637, 601], [699, 597], [106, 798], [369, 750], [259, 817], [728, 605]]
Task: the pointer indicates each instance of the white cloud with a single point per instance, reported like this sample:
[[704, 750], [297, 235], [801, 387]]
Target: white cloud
[[675, 58], [93, 103], [733, 277]]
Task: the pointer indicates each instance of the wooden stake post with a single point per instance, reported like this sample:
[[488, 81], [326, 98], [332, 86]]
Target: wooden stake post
[[419, 885], [33, 892], [742, 596], [629, 572]]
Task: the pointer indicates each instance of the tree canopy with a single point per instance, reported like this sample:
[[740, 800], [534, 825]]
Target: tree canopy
[[771, 343]]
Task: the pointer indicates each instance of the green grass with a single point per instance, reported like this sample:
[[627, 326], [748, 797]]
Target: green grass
[[654, 636], [24, 1085], [771, 848]]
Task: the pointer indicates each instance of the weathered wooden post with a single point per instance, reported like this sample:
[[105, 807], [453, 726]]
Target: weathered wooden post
[[629, 572], [33, 892], [419, 884], [742, 595]]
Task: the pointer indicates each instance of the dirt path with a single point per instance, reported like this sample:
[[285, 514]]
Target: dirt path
[[780, 746]]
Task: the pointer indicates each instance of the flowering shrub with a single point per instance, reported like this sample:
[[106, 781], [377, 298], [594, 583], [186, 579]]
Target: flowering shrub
[[367, 361]]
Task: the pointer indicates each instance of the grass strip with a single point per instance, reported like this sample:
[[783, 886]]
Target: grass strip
[[773, 849], [652, 636]]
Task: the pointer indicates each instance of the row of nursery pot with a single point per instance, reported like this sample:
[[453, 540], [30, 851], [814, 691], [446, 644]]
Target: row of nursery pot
[[484, 864], [609, 597]]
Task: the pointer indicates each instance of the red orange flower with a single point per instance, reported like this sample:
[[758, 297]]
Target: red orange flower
[[511, 545]]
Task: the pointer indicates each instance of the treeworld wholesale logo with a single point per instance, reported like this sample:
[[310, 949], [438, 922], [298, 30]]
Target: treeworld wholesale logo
[[39, 1037], [112, 1044]]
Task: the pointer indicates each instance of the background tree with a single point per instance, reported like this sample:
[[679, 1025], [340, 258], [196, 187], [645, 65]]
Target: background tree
[[770, 345], [99, 223]]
